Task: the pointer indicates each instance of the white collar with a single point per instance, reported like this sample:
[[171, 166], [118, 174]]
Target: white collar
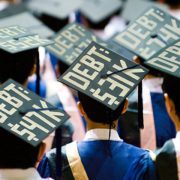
[[101, 134], [25, 174], [178, 135]]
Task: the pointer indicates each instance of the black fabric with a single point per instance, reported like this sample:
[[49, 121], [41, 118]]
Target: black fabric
[[66, 170], [166, 163]]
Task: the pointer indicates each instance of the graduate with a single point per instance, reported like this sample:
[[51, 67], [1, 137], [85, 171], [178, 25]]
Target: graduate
[[147, 34], [103, 80], [167, 63], [26, 120], [19, 53], [102, 17], [69, 44], [54, 13]]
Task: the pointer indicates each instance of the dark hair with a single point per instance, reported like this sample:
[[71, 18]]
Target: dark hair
[[16, 153], [173, 3], [17, 66], [100, 25], [62, 67], [171, 87], [97, 112]]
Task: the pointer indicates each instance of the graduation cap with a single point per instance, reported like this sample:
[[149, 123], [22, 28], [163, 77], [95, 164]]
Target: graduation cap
[[149, 33], [13, 9], [17, 15], [104, 76], [16, 40], [71, 41], [54, 13], [98, 12], [28, 21], [167, 60], [26, 115], [134, 8]]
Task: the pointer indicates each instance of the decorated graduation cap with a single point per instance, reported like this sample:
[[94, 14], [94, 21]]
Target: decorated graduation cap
[[103, 75], [21, 18], [54, 13], [98, 12], [167, 60], [149, 33], [71, 41], [26, 115], [134, 8], [16, 39]]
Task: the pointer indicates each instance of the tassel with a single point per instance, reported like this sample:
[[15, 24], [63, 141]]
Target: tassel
[[140, 107]]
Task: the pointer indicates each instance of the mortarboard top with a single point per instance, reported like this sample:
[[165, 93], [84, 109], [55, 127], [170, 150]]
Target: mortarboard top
[[56, 8], [134, 8], [27, 20], [103, 75], [26, 115], [98, 10], [119, 49], [71, 41], [149, 33], [167, 60], [16, 39], [13, 9]]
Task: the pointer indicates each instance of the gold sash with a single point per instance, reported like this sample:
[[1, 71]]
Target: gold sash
[[75, 163]]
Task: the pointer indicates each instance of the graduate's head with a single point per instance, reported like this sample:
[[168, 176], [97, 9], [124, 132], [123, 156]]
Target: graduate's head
[[16, 153], [103, 80], [17, 66], [22, 128], [97, 112], [18, 53], [172, 98], [97, 14]]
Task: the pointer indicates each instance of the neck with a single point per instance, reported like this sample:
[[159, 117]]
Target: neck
[[94, 125], [177, 126], [176, 120]]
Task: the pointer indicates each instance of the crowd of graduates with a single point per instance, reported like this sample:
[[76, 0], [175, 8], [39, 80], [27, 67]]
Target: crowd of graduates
[[89, 89]]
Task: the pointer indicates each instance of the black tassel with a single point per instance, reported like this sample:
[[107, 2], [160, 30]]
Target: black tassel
[[140, 107], [58, 135], [38, 78]]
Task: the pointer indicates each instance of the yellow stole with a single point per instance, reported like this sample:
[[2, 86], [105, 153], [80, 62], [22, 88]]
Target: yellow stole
[[75, 162]]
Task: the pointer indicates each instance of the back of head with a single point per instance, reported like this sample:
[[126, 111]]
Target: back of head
[[173, 3], [97, 112], [171, 87], [17, 66], [16, 153]]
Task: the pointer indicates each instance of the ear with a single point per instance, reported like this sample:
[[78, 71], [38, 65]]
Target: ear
[[169, 103], [81, 109], [41, 151], [136, 59], [125, 106], [33, 71]]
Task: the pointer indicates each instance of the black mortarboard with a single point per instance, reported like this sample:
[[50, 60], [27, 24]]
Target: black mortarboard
[[149, 33], [103, 75], [167, 60], [71, 41], [54, 13], [27, 20], [98, 12], [13, 9], [26, 115], [16, 39], [134, 8]]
